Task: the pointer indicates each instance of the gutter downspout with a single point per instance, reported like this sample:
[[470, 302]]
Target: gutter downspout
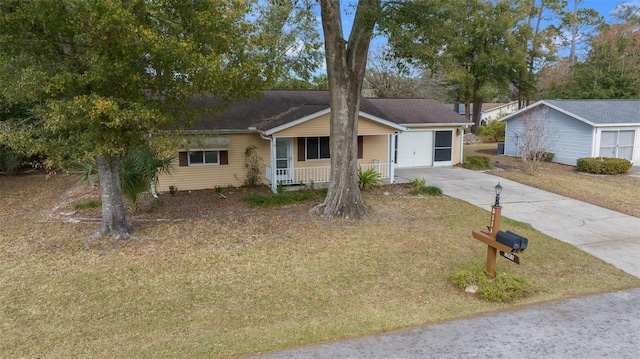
[[272, 158]]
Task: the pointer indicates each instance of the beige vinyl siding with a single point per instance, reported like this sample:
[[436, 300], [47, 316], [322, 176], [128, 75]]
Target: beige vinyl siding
[[374, 148], [212, 176], [320, 127]]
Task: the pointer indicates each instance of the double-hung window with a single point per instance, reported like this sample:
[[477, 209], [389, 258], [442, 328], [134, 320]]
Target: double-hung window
[[203, 158], [317, 148]]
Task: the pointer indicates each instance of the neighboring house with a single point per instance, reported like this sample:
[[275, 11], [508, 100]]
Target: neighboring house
[[290, 131], [581, 128], [490, 111], [493, 111]]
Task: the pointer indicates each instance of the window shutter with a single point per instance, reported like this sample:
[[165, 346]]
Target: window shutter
[[360, 147], [301, 149], [183, 159], [224, 157]]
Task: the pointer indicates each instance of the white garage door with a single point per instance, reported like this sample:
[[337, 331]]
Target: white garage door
[[415, 149], [617, 144]]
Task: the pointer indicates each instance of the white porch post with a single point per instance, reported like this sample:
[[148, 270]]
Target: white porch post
[[392, 162], [462, 144], [274, 165]]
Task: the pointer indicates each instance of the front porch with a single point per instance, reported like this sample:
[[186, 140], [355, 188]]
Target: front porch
[[322, 174]]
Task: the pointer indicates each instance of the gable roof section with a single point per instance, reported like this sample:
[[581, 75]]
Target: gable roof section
[[416, 111], [280, 109], [593, 112]]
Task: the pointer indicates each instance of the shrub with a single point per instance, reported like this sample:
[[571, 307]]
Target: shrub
[[10, 161], [603, 165], [418, 183], [493, 130], [541, 156], [477, 163], [173, 190], [504, 288], [281, 198], [368, 180], [90, 203], [252, 165], [430, 190], [419, 186]]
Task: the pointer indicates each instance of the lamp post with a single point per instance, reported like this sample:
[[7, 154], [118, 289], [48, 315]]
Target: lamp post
[[498, 191], [494, 227]]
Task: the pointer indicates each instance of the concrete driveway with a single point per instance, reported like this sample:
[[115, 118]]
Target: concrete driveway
[[611, 236]]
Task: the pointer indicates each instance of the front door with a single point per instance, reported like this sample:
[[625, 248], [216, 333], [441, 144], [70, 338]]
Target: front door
[[284, 162]]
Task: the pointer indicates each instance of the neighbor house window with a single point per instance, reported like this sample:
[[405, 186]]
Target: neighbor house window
[[317, 148], [203, 158]]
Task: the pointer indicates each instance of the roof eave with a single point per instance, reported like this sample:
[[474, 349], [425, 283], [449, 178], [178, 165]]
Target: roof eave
[[287, 125], [442, 124]]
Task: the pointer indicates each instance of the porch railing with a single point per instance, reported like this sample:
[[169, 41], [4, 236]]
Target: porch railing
[[306, 175]]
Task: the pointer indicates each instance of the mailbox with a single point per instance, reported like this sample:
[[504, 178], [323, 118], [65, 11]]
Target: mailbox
[[512, 240]]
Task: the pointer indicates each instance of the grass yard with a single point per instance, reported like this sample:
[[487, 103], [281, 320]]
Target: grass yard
[[620, 193], [214, 278]]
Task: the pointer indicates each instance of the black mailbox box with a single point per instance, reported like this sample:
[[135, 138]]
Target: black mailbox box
[[512, 240]]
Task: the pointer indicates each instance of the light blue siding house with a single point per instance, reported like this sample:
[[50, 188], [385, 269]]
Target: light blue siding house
[[579, 128]]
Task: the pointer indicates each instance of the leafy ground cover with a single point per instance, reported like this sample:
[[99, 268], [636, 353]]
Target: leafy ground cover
[[620, 193], [207, 275]]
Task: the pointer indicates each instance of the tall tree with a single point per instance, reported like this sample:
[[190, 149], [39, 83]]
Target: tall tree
[[470, 40], [539, 43], [291, 49], [103, 74], [386, 77], [611, 69], [579, 25], [346, 64]]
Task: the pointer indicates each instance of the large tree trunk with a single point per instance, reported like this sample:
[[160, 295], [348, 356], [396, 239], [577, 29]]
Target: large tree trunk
[[114, 220], [346, 63]]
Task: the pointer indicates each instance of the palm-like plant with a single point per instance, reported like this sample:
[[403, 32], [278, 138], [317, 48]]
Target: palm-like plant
[[139, 169]]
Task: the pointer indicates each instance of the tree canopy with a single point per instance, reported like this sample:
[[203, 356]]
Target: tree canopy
[[99, 76]]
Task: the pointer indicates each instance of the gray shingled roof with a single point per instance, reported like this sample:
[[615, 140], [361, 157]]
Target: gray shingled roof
[[279, 107], [601, 112]]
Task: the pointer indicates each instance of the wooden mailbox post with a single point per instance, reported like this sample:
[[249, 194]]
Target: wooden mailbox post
[[489, 237]]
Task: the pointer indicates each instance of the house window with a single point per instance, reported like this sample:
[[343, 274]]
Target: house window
[[203, 158], [317, 148]]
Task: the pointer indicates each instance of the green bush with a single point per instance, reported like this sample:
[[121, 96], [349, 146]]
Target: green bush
[[493, 130], [503, 288], [542, 156], [419, 187], [418, 183], [430, 190], [10, 161], [282, 198], [603, 165], [476, 162], [252, 165], [90, 203], [368, 180]]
